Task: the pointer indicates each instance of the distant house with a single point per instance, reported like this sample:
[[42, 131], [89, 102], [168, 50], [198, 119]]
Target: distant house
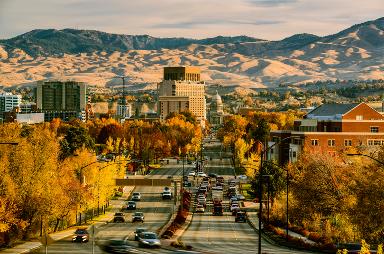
[[329, 128]]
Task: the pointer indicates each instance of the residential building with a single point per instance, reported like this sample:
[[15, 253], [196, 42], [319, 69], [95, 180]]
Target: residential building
[[62, 99], [331, 129], [182, 90]]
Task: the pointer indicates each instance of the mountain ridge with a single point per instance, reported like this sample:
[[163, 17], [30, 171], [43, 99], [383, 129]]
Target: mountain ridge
[[353, 53]]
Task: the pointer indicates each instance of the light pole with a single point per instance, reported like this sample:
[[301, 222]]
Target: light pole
[[264, 151]]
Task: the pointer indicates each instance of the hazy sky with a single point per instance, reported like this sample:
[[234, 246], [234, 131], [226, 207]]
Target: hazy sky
[[266, 19]]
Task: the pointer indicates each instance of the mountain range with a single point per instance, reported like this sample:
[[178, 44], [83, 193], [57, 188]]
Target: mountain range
[[239, 62]]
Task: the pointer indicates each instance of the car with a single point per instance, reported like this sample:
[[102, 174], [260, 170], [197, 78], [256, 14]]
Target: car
[[212, 175], [232, 199], [131, 205], [234, 207], [217, 187], [149, 239], [187, 184], [139, 231], [136, 196], [81, 235], [119, 217], [200, 208], [118, 246], [242, 177], [138, 216], [192, 173], [241, 217], [166, 194], [240, 197], [201, 174]]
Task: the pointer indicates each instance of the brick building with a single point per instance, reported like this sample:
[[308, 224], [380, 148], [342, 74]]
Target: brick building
[[330, 128]]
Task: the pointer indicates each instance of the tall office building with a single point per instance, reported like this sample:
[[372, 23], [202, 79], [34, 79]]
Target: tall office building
[[182, 90], [9, 101], [62, 99]]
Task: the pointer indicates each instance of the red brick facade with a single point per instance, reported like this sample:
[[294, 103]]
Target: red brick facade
[[361, 126]]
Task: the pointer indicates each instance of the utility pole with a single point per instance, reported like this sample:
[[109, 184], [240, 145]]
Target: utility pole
[[260, 196]]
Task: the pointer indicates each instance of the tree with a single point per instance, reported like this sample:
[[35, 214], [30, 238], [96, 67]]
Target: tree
[[76, 137]]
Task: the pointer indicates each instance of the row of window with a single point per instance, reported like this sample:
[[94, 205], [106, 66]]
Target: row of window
[[374, 129], [348, 142]]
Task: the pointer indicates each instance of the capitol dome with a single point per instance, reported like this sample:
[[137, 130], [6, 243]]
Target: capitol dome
[[217, 103]]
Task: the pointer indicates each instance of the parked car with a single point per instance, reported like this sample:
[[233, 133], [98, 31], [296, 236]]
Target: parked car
[[139, 231], [192, 173], [138, 216], [81, 235], [119, 217], [241, 217], [149, 239], [119, 246], [131, 205], [136, 196]]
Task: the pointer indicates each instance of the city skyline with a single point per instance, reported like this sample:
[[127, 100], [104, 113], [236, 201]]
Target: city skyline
[[264, 19]]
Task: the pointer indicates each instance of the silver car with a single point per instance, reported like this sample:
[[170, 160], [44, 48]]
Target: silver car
[[149, 239]]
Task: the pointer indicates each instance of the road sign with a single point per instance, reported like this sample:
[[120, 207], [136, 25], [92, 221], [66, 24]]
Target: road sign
[[143, 182]]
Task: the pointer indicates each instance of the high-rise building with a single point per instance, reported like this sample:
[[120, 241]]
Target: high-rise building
[[9, 101], [62, 99], [182, 90]]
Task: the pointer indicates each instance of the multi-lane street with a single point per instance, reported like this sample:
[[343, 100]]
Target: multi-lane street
[[221, 234], [206, 233]]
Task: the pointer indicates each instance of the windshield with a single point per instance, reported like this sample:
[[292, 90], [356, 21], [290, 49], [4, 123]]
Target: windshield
[[138, 214], [81, 231], [149, 236]]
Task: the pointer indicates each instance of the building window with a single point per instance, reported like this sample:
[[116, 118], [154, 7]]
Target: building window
[[315, 142], [271, 151], [331, 142], [359, 117], [375, 142], [347, 142], [374, 129]]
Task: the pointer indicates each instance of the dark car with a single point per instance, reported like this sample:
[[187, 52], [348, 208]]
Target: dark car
[[241, 217], [212, 175], [119, 217], [149, 239], [131, 205], [119, 246], [139, 231], [138, 216], [81, 235]]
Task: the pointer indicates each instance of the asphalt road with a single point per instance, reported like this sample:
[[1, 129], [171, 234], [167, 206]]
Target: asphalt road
[[156, 211], [221, 234]]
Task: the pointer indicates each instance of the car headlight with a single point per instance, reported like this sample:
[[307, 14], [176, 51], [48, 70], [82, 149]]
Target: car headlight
[[84, 236]]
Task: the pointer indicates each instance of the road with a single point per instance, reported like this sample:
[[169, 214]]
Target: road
[[221, 234], [157, 212]]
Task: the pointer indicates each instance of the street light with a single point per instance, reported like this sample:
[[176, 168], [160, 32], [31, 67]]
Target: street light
[[265, 150]]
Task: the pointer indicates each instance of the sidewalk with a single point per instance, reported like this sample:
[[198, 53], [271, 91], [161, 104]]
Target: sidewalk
[[53, 237], [254, 221]]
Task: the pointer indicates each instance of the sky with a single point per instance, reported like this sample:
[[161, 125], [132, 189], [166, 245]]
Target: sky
[[264, 19]]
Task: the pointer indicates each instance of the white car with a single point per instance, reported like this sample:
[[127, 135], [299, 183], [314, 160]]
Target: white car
[[242, 177], [192, 173], [202, 174], [200, 208], [234, 207]]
